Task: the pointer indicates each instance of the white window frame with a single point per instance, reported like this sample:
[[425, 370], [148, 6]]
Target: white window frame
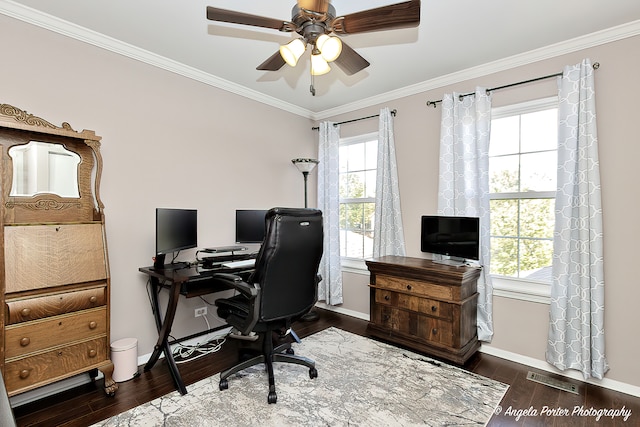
[[349, 264], [512, 287]]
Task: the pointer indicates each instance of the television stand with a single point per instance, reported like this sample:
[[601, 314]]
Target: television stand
[[428, 307]]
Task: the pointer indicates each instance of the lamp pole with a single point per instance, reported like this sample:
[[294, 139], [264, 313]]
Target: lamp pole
[[305, 166]]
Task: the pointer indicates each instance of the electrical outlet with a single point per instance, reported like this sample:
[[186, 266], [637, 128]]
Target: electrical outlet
[[200, 311]]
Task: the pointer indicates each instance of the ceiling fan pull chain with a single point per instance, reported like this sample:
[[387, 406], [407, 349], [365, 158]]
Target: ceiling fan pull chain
[[312, 88]]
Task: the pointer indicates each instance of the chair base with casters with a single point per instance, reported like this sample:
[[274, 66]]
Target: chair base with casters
[[270, 354]]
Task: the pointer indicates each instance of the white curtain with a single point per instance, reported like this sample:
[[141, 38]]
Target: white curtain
[[576, 327], [330, 288], [388, 238], [464, 180]]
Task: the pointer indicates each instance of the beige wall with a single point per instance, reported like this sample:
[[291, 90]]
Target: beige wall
[[169, 141], [521, 327]]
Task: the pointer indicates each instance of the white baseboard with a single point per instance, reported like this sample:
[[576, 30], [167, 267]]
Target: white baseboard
[[544, 366], [352, 313], [49, 390]]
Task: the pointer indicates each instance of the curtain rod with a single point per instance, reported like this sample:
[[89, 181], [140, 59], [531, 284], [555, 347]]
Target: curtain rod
[[596, 65], [393, 113]]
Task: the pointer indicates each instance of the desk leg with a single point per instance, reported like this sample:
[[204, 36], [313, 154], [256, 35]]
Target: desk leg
[[164, 329]]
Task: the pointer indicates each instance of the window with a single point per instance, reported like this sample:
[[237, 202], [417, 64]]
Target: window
[[357, 177], [522, 184]]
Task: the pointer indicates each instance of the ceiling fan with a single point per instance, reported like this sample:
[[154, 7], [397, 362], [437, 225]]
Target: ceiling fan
[[315, 21]]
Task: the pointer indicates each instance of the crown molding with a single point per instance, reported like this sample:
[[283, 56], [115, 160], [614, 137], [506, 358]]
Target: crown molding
[[43, 20], [60, 26], [568, 46]]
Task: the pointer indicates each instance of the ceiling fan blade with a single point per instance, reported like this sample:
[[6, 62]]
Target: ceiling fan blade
[[273, 63], [350, 61], [399, 15], [223, 15], [320, 6]]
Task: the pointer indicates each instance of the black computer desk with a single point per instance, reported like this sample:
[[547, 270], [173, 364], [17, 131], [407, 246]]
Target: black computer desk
[[189, 282]]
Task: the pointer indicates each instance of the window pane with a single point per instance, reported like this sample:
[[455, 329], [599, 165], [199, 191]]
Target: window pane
[[503, 174], [356, 157], [504, 217], [370, 184], [535, 258], [354, 183], [537, 218], [539, 131], [354, 215], [505, 136], [504, 256], [371, 159], [538, 171], [343, 158]]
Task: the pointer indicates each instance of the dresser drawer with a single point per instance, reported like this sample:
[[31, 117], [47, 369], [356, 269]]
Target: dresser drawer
[[413, 325], [425, 306], [42, 256], [414, 287], [25, 309], [41, 334], [63, 362]]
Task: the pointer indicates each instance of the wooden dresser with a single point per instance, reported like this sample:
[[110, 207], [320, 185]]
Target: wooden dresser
[[54, 272], [425, 306]]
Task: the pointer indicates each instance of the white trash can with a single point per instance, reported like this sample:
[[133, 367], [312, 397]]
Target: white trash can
[[124, 355]]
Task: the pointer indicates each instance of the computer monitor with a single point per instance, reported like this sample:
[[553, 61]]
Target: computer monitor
[[250, 225], [176, 229]]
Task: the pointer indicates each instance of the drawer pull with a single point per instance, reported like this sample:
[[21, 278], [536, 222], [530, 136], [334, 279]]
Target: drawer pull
[[434, 308], [24, 374], [409, 287], [434, 331], [93, 325], [387, 297], [25, 312], [92, 353], [93, 299], [25, 341]]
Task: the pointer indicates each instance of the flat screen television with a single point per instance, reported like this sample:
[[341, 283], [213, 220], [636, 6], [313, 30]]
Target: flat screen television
[[455, 236], [176, 229], [250, 225]]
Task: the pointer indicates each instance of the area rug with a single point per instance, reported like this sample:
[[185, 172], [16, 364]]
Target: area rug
[[361, 382]]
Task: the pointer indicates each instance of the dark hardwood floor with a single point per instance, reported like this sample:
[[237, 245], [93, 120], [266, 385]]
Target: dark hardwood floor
[[85, 405]]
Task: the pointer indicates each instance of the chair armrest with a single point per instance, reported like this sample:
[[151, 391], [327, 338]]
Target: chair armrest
[[237, 283], [251, 292]]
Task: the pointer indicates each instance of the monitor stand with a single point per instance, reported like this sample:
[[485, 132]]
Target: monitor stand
[[452, 261], [158, 261]]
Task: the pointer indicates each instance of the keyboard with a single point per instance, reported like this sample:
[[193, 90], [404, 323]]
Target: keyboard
[[240, 263]]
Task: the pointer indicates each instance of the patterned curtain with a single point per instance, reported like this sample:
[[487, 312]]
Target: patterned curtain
[[388, 238], [464, 180], [330, 288], [576, 326]]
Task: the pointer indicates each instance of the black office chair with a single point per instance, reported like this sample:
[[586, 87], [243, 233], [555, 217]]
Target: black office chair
[[282, 288]]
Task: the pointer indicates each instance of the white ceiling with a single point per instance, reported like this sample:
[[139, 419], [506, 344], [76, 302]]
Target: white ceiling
[[453, 36]]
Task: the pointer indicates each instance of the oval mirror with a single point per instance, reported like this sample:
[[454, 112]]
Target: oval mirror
[[44, 167]]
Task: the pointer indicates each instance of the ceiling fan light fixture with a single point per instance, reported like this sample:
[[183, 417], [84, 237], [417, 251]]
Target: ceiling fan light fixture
[[318, 65], [292, 51], [329, 46]]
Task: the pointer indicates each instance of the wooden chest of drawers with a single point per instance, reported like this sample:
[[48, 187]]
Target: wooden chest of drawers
[[425, 306]]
